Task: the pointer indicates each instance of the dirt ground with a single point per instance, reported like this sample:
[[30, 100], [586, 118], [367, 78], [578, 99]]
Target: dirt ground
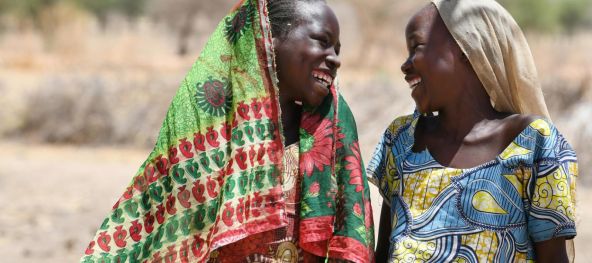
[[54, 197]]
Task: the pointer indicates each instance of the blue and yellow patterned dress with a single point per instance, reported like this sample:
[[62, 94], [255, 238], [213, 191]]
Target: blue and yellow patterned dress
[[493, 212]]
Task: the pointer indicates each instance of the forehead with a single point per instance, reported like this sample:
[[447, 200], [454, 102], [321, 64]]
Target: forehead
[[317, 14], [422, 22]]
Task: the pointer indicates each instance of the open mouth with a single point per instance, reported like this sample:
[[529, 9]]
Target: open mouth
[[414, 82], [323, 78]]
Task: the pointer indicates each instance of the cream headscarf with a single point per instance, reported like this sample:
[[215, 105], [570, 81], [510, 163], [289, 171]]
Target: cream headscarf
[[498, 52]]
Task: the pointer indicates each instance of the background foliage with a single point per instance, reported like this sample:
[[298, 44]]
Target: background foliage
[[550, 16]]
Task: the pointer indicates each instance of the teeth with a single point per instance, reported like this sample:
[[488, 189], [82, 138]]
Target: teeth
[[323, 78], [414, 82]]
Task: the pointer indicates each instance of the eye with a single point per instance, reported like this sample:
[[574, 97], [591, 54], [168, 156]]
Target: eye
[[323, 40], [414, 47]]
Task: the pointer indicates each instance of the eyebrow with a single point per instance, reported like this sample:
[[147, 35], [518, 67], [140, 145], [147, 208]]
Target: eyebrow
[[413, 35], [327, 32], [331, 35]]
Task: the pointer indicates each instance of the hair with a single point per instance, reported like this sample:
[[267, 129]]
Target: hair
[[283, 15]]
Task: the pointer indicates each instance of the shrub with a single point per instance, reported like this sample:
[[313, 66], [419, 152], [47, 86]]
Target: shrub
[[68, 111], [549, 15]]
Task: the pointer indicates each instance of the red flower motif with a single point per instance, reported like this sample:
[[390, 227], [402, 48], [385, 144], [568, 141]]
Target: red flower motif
[[314, 189], [354, 166], [316, 148], [368, 215], [357, 209]]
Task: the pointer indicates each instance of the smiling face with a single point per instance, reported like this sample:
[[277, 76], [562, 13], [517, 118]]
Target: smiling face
[[435, 66], [307, 56]]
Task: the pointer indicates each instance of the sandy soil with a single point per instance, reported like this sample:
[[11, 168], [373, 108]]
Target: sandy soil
[[53, 198]]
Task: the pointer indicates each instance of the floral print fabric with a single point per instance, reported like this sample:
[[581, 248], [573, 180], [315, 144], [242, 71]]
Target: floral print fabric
[[336, 214]]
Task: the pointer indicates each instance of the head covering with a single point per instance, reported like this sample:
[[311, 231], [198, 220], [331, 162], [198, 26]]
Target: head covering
[[498, 52], [214, 176]]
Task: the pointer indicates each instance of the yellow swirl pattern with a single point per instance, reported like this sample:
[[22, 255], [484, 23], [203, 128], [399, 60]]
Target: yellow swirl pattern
[[409, 250], [553, 192]]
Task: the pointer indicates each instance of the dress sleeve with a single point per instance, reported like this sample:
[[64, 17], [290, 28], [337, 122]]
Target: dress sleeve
[[551, 188], [381, 169], [376, 170]]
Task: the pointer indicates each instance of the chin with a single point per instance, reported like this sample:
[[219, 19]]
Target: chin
[[315, 102], [418, 107], [315, 99], [422, 109]]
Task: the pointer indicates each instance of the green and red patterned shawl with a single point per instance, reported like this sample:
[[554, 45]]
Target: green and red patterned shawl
[[214, 175]]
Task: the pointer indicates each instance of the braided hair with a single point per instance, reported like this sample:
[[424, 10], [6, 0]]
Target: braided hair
[[283, 15]]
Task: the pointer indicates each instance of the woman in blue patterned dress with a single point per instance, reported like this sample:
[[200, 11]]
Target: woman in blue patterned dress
[[477, 173]]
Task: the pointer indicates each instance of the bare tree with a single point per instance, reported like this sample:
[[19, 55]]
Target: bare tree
[[181, 15]]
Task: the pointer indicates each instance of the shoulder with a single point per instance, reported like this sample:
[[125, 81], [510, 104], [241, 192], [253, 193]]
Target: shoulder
[[547, 141], [516, 124], [399, 123], [392, 132], [521, 121]]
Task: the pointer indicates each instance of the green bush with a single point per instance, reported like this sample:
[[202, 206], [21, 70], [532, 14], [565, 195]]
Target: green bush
[[131, 9], [31, 9], [550, 16], [575, 13], [26, 9]]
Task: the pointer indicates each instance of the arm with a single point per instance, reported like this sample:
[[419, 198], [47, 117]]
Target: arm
[[552, 250], [384, 232]]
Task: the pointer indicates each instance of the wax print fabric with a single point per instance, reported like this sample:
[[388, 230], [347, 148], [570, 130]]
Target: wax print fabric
[[493, 212]]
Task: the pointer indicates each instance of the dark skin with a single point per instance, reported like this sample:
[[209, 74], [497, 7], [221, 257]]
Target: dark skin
[[309, 50], [384, 232], [466, 131]]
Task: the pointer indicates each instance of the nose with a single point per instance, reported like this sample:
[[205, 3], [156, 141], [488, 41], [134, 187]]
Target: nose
[[333, 61], [406, 67]]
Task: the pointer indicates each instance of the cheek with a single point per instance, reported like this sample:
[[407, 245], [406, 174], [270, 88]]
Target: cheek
[[419, 61], [445, 60]]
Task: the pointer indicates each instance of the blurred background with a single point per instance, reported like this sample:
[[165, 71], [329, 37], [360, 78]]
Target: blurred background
[[85, 85]]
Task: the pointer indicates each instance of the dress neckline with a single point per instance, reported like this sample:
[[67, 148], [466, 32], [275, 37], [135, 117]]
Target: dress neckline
[[496, 158]]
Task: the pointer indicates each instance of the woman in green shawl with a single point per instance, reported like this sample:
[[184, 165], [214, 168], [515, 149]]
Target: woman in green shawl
[[258, 157]]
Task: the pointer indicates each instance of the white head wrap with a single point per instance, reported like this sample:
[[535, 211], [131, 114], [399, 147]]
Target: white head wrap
[[498, 52]]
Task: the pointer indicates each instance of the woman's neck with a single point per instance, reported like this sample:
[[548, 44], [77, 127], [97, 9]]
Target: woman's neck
[[458, 124], [472, 108], [291, 113]]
